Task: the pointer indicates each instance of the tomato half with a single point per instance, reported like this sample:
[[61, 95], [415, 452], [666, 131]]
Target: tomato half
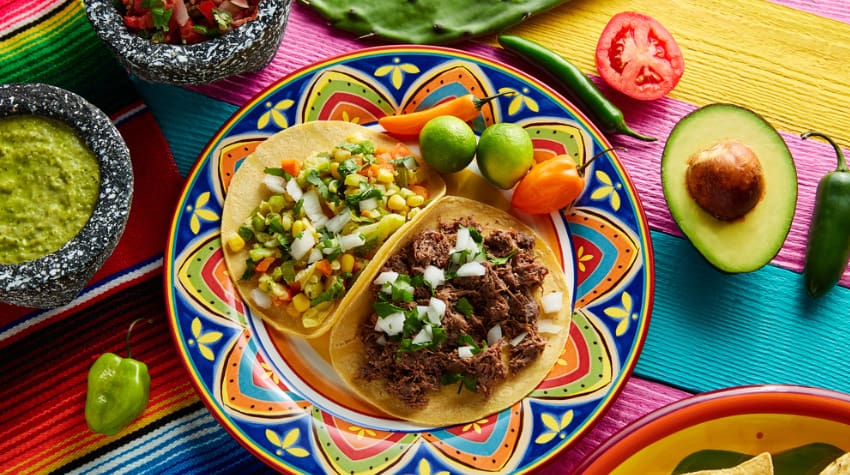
[[637, 56]]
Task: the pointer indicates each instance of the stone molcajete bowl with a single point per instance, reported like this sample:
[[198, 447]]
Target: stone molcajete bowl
[[57, 278], [247, 48]]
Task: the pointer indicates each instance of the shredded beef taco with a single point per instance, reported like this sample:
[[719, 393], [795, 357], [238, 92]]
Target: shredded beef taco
[[308, 210], [466, 316]]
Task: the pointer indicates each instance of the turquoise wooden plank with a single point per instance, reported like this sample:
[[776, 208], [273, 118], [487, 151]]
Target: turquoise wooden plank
[[711, 330], [188, 119]]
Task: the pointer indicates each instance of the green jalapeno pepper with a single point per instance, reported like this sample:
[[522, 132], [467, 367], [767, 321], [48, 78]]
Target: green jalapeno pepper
[[604, 112], [828, 248], [118, 391]]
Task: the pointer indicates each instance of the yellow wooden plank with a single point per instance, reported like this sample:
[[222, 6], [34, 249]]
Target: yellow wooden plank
[[791, 66]]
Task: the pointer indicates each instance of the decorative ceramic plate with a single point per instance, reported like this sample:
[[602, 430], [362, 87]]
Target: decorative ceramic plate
[[280, 397], [803, 428]]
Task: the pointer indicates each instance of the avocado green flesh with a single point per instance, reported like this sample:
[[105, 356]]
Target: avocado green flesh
[[750, 242]]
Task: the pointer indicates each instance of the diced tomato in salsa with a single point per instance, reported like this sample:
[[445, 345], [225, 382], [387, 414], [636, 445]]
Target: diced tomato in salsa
[[186, 21]]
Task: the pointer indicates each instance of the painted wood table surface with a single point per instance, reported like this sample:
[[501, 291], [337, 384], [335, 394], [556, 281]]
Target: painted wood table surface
[[785, 59]]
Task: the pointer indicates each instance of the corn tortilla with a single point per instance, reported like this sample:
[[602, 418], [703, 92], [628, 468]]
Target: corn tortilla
[[447, 406], [246, 191]]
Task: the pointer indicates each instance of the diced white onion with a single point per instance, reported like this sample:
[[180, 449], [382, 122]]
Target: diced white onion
[[434, 276], [386, 277], [302, 245], [368, 204], [552, 302], [465, 351], [381, 340], [548, 326], [293, 190], [422, 311], [339, 221], [471, 269], [315, 255], [262, 299], [463, 240], [494, 335], [313, 209], [436, 310], [350, 241], [392, 324], [274, 183], [518, 339], [425, 335]]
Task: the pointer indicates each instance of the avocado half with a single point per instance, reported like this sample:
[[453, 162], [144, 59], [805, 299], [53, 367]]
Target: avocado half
[[748, 242]]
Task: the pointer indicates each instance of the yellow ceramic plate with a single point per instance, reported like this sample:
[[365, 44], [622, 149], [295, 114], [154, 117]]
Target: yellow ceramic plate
[[803, 428]]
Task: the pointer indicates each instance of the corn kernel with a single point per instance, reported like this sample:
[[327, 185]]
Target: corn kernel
[[354, 180], [341, 154], [298, 227], [301, 302], [236, 243], [406, 192], [396, 203], [415, 201], [385, 175], [334, 169], [346, 263]]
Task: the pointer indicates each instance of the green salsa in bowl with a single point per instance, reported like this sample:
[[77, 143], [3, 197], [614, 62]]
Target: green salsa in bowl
[[66, 183]]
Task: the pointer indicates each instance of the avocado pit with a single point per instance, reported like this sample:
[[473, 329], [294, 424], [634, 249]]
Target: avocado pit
[[726, 180]]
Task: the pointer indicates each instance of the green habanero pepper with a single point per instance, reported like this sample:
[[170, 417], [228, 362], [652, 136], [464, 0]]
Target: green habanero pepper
[[828, 248], [118, 391], [609, 117]]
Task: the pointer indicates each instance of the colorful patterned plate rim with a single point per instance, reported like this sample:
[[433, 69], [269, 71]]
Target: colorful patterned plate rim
[[279, 397], [741, 421]]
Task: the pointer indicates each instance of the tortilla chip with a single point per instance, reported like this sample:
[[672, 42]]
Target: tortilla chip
[[246, 191], [839, 466], [761, 464], [448, 406]]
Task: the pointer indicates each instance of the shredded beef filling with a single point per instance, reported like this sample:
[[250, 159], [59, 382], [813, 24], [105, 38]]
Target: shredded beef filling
[[503, 296]]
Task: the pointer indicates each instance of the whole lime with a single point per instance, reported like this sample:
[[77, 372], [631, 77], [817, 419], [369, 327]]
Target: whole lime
[[505, 153], [447, 144]]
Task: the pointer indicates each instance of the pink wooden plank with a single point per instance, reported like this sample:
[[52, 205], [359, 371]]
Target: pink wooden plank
[[639, 397]]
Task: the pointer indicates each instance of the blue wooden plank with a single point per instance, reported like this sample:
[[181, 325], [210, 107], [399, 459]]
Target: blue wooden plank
[[711, 330]]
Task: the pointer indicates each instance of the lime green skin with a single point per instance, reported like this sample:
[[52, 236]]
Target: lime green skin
[[434, 150], [118, 392], [49, 183], [505, 153]]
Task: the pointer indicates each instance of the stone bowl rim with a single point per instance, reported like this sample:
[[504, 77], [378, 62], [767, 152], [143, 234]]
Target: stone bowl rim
[[110, 213]]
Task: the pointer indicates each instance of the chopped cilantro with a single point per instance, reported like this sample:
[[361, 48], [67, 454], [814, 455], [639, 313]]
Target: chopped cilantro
[[249, 270], [500, 261], [365, 192], [347, 167], [336, 290], [246, 232], [464, 381], [383, 308], [277, 172], [463, 306]]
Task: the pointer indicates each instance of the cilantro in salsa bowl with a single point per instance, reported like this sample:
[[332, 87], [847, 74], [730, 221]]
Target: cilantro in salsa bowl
[[185, 21]]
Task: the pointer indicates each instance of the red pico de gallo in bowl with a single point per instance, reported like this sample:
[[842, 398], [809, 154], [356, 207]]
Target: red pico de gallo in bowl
[[186, 21]]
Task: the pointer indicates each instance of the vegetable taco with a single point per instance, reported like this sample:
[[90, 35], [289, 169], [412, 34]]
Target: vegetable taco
[[308, 210], [467, 314]]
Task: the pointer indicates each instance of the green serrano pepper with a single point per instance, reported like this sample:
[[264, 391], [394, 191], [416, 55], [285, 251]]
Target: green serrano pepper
[[828, 247], [583, 90]]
